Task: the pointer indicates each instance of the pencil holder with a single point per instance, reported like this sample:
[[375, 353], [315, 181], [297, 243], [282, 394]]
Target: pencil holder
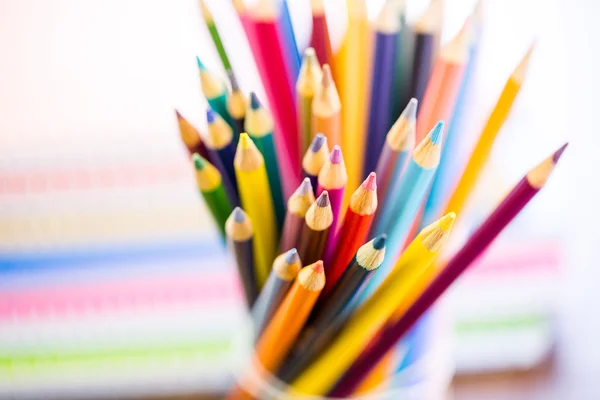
[[421, 367]]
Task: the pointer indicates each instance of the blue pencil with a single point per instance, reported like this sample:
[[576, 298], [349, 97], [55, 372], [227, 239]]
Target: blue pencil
[[408, 196], [386, 39], [287, 29]]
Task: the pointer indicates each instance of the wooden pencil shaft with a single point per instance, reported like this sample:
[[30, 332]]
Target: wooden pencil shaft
[[229, 185], [390, 163], [312, 244], [269, 299], [291, 232], [219, 205], [320, 39], [214, 34], [225, 155], [266, 146], [422, 63], [244, 257]]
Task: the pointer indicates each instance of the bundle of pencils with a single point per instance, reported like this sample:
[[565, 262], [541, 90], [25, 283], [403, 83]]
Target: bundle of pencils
[[367, 279]]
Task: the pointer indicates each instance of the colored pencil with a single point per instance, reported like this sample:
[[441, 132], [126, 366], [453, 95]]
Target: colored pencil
[[240, 237], [236, 106], [315, 158], [351, 73], [403, 67], [297, 206], [407, 195], [255, 195], [361, 328], [331, 311], [278, 87], [214, 34], [426, 29], [309, 81], [317, 224], [506, 211], [215, 91], [259, 125], [444, 83], [210, 184], [453, 155], [319, 39], [285, 269], [326, 110], [399, 144], [353, 231], [333, 178], [286, 324], [482, 149], [387, 28], [220, 145], [287, 30], [190, 137]]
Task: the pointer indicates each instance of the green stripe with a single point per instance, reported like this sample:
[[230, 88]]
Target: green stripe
[[214, 33], [219, 105], [514, 322], [219, 206]]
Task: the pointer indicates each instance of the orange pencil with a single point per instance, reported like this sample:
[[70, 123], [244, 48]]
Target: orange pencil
[[327, 110], [191, 137], [285, 326]]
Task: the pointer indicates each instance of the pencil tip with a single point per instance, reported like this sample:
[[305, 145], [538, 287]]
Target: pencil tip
[[309, 52], [199, 161], [379, 242], [254, 102], [305, 187], [323, 200], [318, 141], [210, 115], [200, 64], [410, 112], [291, 256], [239, 215], [371, 182], [447, 221], [559, 153], [178, 114], [336, 155], [327, 79], [436, 133], [245, 142], [317, 267], [233, 80]]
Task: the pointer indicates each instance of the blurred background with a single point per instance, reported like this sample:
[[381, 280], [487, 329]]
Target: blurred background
[[113, 281]]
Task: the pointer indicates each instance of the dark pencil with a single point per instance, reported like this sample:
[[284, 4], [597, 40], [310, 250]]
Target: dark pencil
[[239, 236], [297, 206], [191, 137], [236, 106], [317, 223]]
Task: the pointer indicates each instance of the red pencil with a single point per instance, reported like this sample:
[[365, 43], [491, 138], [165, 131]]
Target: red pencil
[[353, 232], [276, 77], [514, 202], [319, 39]]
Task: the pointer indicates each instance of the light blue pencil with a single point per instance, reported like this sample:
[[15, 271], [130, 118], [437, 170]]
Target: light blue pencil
[[452, 160], [215, 91], [287, 28], [407, 196]]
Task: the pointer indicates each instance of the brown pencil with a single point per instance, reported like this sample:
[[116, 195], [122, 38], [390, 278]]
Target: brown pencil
[[297, 206], [240, 236], [191, 137], [317, 223]]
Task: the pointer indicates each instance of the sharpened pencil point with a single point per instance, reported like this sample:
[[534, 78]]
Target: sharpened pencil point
[[254, 102], [559, 152], [336, 155], [178, 114], [305, 187], [447, 221], [291, 256], [200, 64], [245, 141], [210, 115], [379, 242], [323, 200], [318, 267], [239, 215], [318, 141], [410, 112], [327, 79], [436, 133], [199, 161], [309, 52], [371, 182]]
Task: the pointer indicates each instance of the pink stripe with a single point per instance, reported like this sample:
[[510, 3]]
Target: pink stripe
[[202, 288]]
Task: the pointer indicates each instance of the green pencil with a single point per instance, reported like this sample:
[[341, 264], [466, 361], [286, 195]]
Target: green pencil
[[259, 125], [215, 91], [214, 34], [210, 184]]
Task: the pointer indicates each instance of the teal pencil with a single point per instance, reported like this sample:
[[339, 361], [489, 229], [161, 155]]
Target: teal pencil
[[215, 91], [408, 195], [403, 68], [259, 125]]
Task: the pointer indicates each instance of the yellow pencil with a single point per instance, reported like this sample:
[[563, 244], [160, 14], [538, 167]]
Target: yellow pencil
[[323, 373], [326, 110], [255, 196], [309, 81], [482, 149]]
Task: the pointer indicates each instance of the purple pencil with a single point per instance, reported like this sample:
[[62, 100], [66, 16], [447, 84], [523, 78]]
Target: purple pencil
[[333, 178], [386, 38], [518, 198]]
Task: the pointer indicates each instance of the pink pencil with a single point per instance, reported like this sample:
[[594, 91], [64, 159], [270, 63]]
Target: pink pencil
[[333, 178]]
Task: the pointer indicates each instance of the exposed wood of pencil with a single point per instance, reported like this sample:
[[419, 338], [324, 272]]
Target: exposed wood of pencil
[[353, 231], [285, 326], [219, 142], [331, 311], [315, 230], [446, 77], [314, 159], [326, 110], [309, 82], [483, 147], [240, 235], [319, 39], [191, 137], [297, 206], [510, 207], [285, 269]]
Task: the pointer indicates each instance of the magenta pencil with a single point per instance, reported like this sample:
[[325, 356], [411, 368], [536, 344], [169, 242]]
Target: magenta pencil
[[514, 202], [333, 178]]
